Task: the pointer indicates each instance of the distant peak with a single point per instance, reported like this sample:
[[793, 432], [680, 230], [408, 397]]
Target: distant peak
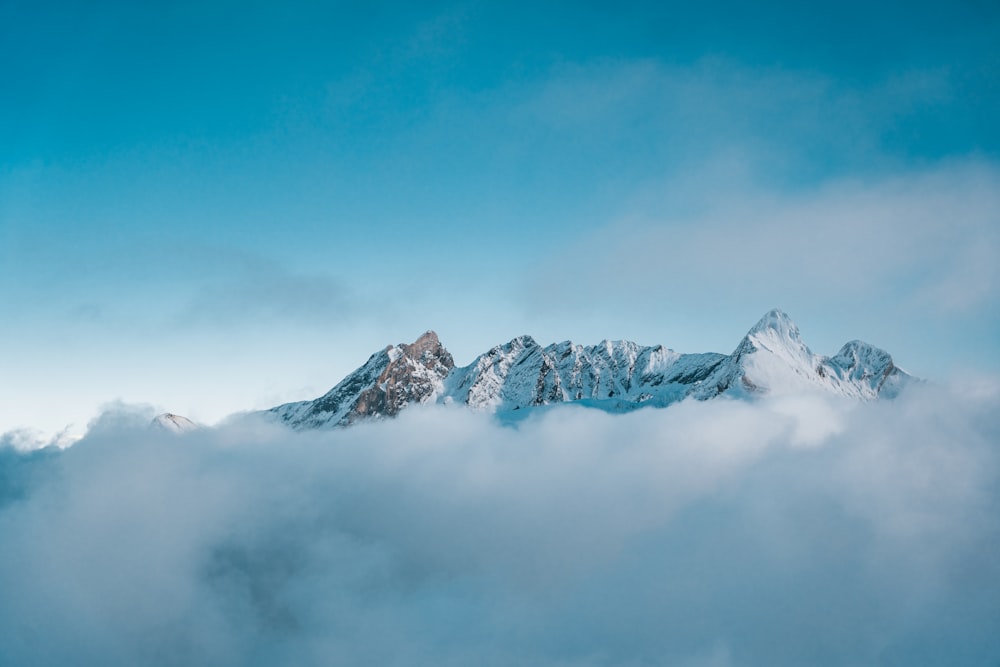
[[859, 345], [852, 346], [859, 352], [773, 319], [777, 321], [427, 348], [524, 340], [173, 423], [775, 331], [427, 341]]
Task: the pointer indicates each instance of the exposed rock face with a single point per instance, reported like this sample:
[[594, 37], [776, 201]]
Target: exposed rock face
[[613, 375], [389, 381], [413, 375]]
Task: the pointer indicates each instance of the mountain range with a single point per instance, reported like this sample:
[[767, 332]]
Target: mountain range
[[617, 376]]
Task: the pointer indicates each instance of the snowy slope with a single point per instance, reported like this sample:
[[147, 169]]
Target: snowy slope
[[523, 374], [173, 423], [612, 375], [389, 381], [773, 359]]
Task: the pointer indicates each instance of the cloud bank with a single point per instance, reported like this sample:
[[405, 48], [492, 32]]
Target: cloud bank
[[788, 532]]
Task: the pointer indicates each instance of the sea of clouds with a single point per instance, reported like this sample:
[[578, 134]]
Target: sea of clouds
[[789, 531]]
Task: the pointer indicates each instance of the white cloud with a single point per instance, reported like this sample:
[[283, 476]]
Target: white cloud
[[27, 440], [805, 531]]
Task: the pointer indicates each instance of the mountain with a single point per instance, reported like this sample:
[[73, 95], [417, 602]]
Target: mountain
[[773, 359], [173, 423], [613, 375], [389, 381]]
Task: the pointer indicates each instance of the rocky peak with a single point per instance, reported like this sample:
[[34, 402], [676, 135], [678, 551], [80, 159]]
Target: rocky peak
[[426, 350], [864, 364], [396, 377]]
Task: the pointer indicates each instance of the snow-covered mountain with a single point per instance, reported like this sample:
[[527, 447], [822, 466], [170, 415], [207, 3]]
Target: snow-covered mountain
[[772, 358], [389, 381], [612, 375], [173, 423]]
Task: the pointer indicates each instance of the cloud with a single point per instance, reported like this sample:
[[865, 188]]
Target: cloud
[[926, 239], [725, 533], [27, 440]]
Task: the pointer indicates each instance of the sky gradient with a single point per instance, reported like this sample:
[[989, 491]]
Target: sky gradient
[[210, 207]]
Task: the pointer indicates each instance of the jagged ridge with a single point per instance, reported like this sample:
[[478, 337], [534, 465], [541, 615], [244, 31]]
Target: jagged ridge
[[612, 375]]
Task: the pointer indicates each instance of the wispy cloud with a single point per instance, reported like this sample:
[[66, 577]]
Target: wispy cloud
[[926, 240], [799, 125]]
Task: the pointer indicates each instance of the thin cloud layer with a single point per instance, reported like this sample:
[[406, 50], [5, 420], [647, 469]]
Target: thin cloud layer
[[787, 532], [259, 292], [926, 239]]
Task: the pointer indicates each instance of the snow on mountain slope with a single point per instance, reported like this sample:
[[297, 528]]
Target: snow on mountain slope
[[612, 375], [173, 423], [867, 368], [523, 374], [389, 381], [773, 359]]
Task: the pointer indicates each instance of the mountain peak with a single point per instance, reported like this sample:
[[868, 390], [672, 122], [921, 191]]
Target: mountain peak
[[400, 375], [173, 423], [427, 339], [427, 348], [866, 365], [778, 321], [776, 333]]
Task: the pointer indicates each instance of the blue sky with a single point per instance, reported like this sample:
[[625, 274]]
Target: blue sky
[[217, 206]]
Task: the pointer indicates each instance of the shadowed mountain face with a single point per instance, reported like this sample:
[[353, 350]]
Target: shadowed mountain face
[[613, 375]]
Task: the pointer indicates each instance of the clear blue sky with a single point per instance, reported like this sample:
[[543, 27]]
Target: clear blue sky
[[210, 206]]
